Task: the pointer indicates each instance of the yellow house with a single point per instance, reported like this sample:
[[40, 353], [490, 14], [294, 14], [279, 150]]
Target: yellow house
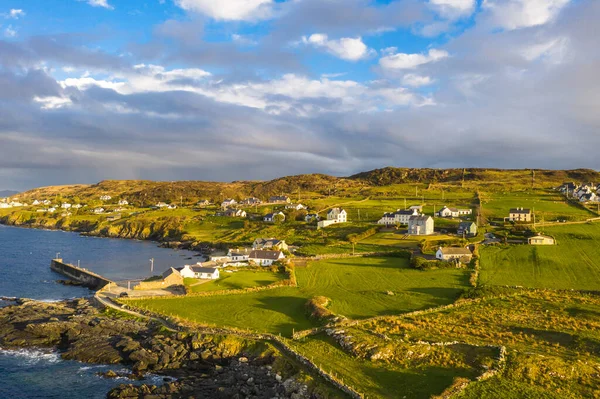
[[541, 240]]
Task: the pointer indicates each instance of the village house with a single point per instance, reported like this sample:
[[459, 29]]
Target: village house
[[171, 276], [446, 212], [421, 225], [270, 243], [199, 272], [65, 205], [279, 199], [98, 210], [311, 216], [297, 207], [467, 229], [272, 217], [35, 202], [463, 255], [51, 209], [46, 202], [77, 206], [172, 206], [540, 239], [105, 198], [398, 217], [235, 213], [334, 216], [591, 197], [161, 205], [568, 188], [203, 203], [418, 208], [4, 205], [123, 202], [251, 201], [265, 258], [16, 204], [228, 202], [519, 215], [239, 254]]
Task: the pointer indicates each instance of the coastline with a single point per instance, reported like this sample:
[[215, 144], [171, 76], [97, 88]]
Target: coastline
[[190, 363]]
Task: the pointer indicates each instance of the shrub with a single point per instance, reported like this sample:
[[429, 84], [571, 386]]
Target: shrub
[[419, 263], [317, 308]]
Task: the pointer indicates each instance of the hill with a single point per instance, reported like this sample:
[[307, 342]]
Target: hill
[[391, 175]]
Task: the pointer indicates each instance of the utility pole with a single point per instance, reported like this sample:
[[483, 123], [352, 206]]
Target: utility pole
[[181, 202], [405, 203], [151, 266]]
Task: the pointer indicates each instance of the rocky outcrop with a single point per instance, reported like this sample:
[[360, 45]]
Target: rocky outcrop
[[202, 365]]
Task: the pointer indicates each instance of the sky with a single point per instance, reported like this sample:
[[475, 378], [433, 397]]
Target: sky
[[257, 89]]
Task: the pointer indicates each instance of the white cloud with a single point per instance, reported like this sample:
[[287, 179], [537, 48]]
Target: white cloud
[[414, 80], [516, 14], [10, 31], [243, 40], [453, 8], [100, 3], [411, 61], [16, 14], [232, 10], [346, 48], [552, 51]]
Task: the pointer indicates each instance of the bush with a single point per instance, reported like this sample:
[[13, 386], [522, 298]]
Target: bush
[[419, 263], [317, 308]]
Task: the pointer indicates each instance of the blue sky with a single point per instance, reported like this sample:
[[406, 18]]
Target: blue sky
[[255, 89]]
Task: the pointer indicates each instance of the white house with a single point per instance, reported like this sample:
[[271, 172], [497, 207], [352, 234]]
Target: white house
[[239, 255], [123, 202], [398, 217], [228, 202], [105, 198], [4, 205], [251, 201], [591, 197], [99, 210], [77, 206], [335, 215], [270, 243], [265, 258], [35, 202], [279, 199], [235, 213], [197, 271], [297, 207], [418, 208], [51, 209], [272, 217], [203, 203], [46, 202], [161, 205], [422, 225], [65, 205], [311, 216], [453, 253], [446, 212], [17, 204]]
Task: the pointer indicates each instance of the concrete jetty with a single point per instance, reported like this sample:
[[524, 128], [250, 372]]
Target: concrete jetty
[[85, 277]]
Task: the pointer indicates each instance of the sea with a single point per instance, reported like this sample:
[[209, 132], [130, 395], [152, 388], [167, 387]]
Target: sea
[[25, 256]]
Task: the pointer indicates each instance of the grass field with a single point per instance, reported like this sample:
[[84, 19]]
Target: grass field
[[572, 264], [235, 281], [548, 205], [357, 287], [378, 379]]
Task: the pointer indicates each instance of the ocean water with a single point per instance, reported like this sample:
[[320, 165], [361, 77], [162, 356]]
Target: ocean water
[[25, 256]]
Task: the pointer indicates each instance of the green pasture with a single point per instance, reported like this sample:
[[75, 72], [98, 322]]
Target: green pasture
[[572, 264], [358, 288], [235, 281]]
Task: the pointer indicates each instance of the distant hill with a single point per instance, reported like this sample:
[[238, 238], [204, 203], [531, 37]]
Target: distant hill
[[7, 193], [391, 175], [145, 192]]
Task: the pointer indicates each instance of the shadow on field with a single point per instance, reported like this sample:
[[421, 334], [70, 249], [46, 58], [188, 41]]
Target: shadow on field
[[439, 294], [571, 341], [290, 306], [388, 263]]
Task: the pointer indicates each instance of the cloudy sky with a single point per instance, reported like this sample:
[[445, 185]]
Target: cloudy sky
[[256, 89]]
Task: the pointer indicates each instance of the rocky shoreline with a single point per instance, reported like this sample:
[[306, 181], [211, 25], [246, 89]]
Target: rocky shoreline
[[194, 365]]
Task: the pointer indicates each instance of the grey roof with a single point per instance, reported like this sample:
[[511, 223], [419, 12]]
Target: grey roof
[[406, 212], [456, 251], [520, 210], [419, 218], [466, 225], [258, 254], [170, 271], [199, 269]]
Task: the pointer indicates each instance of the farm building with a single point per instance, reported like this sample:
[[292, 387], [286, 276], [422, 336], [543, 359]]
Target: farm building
[[335, 215], [468, 229], [422, 225], [541, 239], [464, 255], [265, 258], [197, 271], [446, 212], [520, 215]]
